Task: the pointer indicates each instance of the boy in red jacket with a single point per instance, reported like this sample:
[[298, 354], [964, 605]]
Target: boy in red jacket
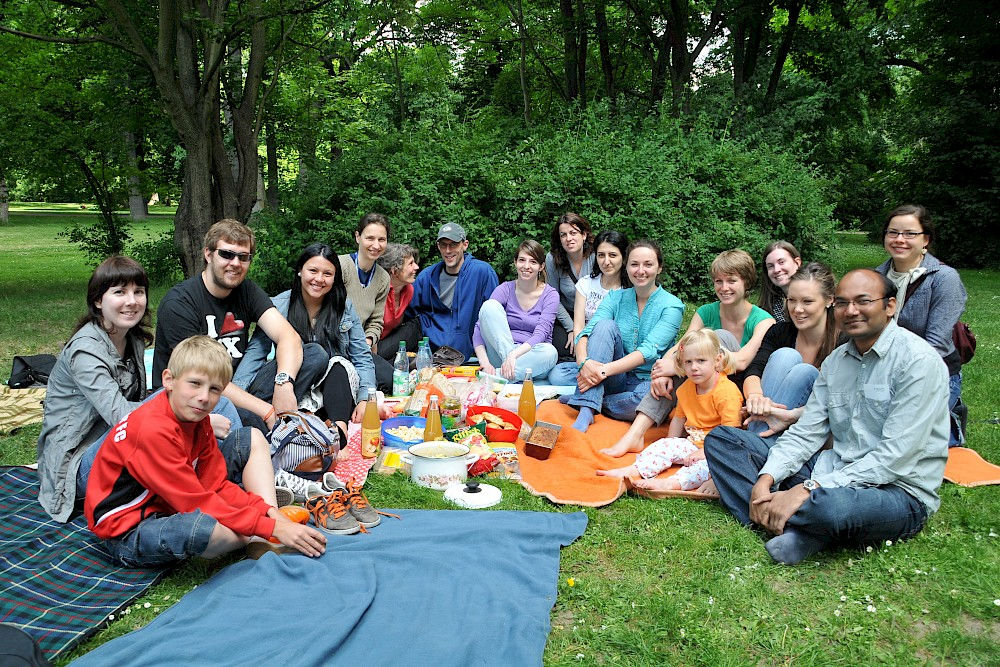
[[160, 488]]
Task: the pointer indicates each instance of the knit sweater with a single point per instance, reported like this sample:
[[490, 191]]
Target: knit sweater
[[369, 302]]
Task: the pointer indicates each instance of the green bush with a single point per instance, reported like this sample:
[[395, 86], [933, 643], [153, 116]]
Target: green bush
[[694, 194], [160, 259]]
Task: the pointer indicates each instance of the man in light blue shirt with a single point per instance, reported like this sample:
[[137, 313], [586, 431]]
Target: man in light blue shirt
[[883, 400]]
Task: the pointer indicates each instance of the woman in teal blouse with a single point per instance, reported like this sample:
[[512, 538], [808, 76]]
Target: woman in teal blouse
[[615, 352]]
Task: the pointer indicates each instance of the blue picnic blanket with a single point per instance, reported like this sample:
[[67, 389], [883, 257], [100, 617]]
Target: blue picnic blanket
[[435, 588], [57, 582]]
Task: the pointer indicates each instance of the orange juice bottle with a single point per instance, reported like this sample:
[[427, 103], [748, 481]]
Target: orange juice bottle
[[526, 405], [432, 431], [371, 427]]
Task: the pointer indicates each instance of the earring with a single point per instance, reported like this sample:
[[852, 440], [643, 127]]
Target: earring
[[923, 251]]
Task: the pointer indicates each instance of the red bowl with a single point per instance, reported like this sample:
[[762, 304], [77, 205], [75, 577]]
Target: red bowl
[[494, 434]]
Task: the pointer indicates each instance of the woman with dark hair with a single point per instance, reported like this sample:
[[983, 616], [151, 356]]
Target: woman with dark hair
[[930, 296], [514, 330], [571, 256], [608, 274], [317, 307], [367, 282], [781, 260], [97, 380], [631, 329]]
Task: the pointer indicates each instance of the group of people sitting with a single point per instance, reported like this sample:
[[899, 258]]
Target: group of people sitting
[[867, 362]]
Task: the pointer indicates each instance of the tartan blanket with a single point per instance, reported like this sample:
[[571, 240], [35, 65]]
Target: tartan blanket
[[57, 583]]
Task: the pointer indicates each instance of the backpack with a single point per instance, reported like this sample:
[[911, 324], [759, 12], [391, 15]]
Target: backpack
[[31, 371], [303, 444]]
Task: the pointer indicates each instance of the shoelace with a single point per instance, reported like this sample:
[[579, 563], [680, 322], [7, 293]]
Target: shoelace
[[355, 495]]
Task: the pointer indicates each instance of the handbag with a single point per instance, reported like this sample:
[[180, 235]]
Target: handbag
[[31, 371], [303, 444], [961, 334]]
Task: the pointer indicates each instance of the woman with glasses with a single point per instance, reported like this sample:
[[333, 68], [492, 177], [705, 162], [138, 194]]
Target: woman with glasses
[[571, 256], [930, 296]]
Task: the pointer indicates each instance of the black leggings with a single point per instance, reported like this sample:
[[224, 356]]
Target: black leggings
[[338, 401]]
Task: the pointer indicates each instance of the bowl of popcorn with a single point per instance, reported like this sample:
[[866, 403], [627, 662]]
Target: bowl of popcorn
[[402, 432]]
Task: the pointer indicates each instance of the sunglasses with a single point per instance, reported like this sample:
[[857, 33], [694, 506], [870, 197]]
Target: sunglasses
[[229, 255]]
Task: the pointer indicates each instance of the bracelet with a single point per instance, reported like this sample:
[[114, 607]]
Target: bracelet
[[270, 413], [579, 367]]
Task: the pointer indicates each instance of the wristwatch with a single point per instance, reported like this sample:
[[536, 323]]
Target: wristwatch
[[282, 378], [810, 485]]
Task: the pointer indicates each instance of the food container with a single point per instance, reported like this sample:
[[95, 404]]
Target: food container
[[438, 464], [542, 440], [389, 440], [493, 433]]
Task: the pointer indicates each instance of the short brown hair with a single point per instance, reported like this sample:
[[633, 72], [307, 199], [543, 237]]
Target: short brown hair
[[738, 263], [230, 231], [533, 249], [201, 354]]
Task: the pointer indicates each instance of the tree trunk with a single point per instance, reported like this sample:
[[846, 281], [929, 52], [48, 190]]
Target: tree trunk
[[525, 94], [271, 141], [581, 51], [4, 201], [137, 207], [569, 49], [601, 26], [195, 212], [782, 55]]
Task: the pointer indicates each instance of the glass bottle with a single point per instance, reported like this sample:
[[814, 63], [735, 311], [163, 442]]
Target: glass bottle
[[371, 427], [432, 430], [526, 404]]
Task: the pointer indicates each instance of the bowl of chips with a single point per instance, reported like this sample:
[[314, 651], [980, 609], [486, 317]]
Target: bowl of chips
[[401, 432], [501, 425]]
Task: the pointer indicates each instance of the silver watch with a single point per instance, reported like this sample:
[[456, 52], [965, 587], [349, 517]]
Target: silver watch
[[810, 485], [282, 378]]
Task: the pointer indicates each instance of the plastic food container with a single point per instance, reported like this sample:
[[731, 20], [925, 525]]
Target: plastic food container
[[493, 433], [389, 440]]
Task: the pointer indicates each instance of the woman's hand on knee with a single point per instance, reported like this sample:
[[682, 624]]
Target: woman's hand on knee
[[758, 405], [662, 387]]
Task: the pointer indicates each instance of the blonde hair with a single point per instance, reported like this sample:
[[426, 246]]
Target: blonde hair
[[230, 231], [703, 340], [201, 354], [738, 263]]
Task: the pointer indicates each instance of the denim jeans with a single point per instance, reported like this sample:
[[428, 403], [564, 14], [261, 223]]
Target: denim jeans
[[314, 363], [839, 515], [957, 438], [495, 330], [619, 395], [786, 380]]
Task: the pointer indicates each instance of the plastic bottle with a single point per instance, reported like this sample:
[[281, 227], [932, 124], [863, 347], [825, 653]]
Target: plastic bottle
[[401, 372], [432, 431], [424, 362], [371, 427], [526, 404]]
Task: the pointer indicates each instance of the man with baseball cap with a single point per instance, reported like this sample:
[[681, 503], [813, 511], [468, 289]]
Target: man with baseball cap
[[447, 295]]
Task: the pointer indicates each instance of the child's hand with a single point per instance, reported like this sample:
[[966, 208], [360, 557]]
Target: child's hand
[[306, 539], [693, 457]]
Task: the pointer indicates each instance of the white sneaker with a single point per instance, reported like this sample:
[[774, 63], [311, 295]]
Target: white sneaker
[[331, 482], [302, 489], [283, 496]]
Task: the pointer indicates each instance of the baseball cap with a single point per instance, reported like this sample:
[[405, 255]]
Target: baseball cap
[[452, 232]]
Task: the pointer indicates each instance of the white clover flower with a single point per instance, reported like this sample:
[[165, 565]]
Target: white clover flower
[[711, 600], [996, 602], [683, 633], [146, 606], [868, 549], [871, 608], [843, 598], [888, 543], [837, 612], [580, 656], [111, 617], [732, 577]]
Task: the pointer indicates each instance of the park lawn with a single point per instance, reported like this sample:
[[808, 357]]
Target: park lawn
[[658, 582]]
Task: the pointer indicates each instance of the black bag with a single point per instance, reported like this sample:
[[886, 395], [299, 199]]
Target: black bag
[[446, 356], [31, 371], [18, 648]]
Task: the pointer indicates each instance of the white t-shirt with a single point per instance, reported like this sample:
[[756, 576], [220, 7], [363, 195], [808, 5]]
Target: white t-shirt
[[593, 292]]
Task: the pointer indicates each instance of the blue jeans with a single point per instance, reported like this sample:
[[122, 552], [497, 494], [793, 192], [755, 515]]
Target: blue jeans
[[957, 437], [495, 330], [786, 380], [619, 395], [835, 516], [314, 363]]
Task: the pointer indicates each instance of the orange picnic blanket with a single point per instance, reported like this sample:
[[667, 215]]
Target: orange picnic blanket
[[568, 476], [966, 467]]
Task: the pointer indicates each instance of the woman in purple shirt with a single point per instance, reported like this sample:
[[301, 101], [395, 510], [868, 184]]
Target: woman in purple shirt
[[514, 331]]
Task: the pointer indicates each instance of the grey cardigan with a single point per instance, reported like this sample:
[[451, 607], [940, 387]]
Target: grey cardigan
[[83, 400], [934, 307], [565, 283]]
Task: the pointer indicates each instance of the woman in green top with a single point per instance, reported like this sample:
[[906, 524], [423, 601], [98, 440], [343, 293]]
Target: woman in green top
[[740, 326]]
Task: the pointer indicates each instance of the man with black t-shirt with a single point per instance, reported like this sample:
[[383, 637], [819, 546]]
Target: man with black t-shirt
[[220, 303]]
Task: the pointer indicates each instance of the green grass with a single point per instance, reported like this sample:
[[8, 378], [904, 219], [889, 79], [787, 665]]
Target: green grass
[[659, 582]]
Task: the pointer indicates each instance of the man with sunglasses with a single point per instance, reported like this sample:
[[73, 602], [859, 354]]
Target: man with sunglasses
[[882, 398], [221, 303], [447, 296]]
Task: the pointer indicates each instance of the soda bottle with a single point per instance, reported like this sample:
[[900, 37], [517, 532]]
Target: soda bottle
[[432, 431], [526, 404], [371, 427], [401, 372]]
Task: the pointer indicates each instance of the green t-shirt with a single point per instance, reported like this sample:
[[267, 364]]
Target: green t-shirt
[[709, 314]]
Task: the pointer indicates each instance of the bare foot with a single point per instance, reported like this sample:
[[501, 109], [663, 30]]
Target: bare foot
[[709, 488], [657, 484], [629, 443], [627, 471]]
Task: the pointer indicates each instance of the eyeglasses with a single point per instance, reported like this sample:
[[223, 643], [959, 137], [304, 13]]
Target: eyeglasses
[[908, 235], [863, 302], [229, 255]]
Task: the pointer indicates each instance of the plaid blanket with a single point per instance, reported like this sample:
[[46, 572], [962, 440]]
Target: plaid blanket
[[57, 583]]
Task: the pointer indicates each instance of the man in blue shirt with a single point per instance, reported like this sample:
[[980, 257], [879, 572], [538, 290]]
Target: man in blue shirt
[[447, 295], [882, 398]]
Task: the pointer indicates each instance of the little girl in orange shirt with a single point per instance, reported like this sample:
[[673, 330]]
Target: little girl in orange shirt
[[707, 400]]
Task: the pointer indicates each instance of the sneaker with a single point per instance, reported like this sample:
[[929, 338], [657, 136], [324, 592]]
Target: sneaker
[[330, 513], [302, 489], [360, 508], [331, 482], [283, 496]]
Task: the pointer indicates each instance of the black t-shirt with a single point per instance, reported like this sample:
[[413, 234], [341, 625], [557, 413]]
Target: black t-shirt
[[189, 309]]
